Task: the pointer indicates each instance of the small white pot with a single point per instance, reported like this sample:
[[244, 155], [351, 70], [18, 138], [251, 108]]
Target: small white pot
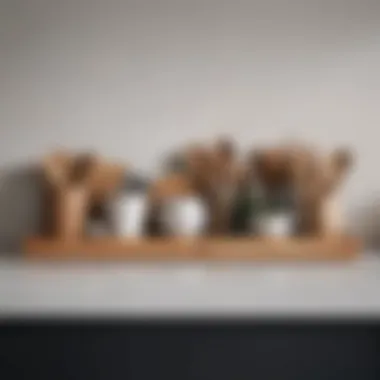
[[276, 225], [129, 215], [184, 216]]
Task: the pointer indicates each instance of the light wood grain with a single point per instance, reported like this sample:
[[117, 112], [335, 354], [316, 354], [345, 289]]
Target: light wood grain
[[213, 249]]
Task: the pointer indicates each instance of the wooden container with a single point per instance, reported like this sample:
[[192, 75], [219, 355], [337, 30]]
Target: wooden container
[[71, 212], [74, 185]]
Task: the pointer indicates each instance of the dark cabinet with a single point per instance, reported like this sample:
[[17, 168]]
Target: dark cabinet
[[232, 350]]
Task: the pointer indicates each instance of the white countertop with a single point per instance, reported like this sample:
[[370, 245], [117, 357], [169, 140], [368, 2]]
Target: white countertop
[[204, 289]]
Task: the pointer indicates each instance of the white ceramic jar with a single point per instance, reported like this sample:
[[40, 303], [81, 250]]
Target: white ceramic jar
[[184, 216], [129, 214], [279, 224]]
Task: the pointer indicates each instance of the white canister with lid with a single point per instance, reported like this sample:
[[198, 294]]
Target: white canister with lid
[[185, 216], [277, 224], [129, 214]]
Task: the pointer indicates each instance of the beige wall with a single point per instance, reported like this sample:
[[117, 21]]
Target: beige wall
[[135, 78]]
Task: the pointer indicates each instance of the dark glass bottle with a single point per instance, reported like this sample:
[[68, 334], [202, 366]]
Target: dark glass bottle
[[249, 203]]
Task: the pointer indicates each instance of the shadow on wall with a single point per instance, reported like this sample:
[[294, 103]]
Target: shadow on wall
[[20, 202]]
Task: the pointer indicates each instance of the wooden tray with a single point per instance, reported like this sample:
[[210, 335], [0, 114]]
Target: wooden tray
[[233, 249]]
